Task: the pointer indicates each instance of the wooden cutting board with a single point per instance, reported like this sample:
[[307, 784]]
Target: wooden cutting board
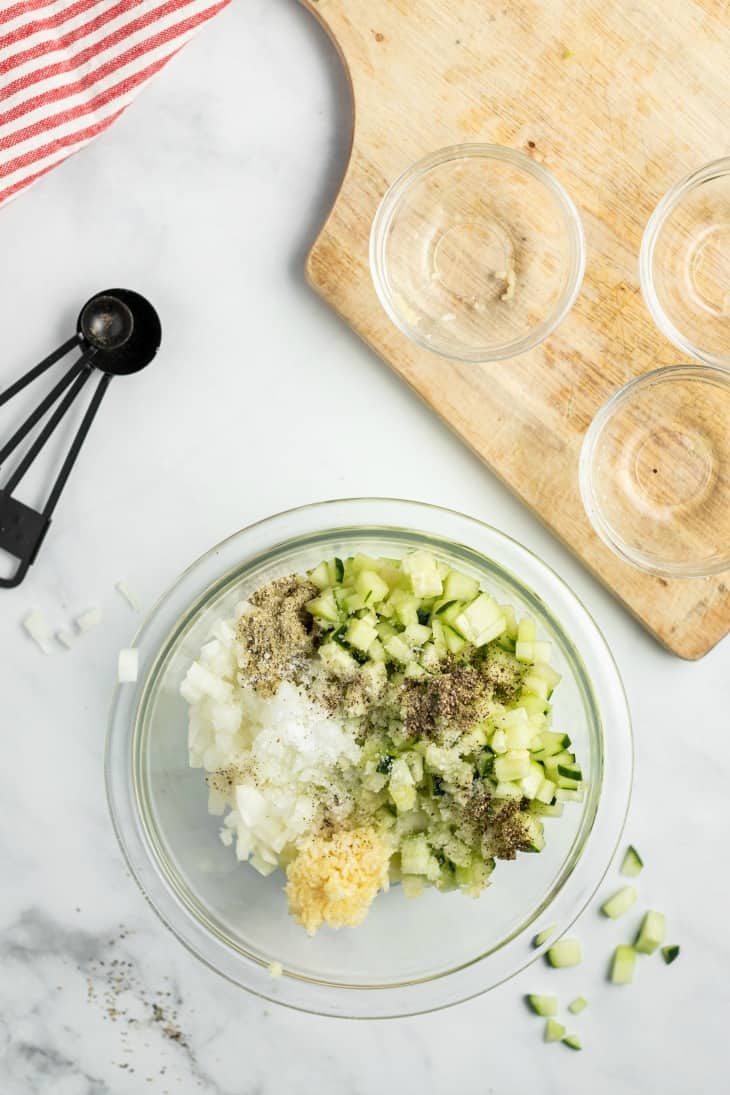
[[619, 98]]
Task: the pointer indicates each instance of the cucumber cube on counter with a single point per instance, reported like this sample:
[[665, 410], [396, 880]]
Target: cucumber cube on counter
[[623, 965], [565, 953], [543, 1005], [620, 903], [632, 864], [554, 1031], [651, 933]]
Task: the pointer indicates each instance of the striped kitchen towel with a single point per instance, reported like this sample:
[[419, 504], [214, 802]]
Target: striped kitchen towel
[[68, 68]]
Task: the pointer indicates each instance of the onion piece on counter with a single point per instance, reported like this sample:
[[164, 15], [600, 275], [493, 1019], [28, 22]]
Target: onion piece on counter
[[37, 627], [89, 619], [128, 666], [124, 591]]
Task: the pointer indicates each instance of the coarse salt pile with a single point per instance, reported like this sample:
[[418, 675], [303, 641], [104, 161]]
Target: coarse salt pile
[[275, 761]]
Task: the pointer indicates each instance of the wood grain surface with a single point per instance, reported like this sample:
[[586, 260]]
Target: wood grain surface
[[619, 98]]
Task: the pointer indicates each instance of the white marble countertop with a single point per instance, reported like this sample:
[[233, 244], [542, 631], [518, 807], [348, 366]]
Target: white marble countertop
[[206, 196]]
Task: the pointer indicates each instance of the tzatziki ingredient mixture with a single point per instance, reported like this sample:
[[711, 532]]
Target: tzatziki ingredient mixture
[[377, 721]]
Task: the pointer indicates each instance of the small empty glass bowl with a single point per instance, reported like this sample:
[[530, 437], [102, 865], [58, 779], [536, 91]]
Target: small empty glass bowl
[[655, 471], [477, 253], [685, 264]]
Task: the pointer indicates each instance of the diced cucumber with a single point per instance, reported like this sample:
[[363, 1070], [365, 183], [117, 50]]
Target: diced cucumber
[[454, 642], [534, 833], [545, 791], [533, 705], [459, 587], [512, 766], [541, 652], [543, 1005], [413, 885], [376, 651], [406, 609], [532, 683], [415, 671], [510, 621], [339, 570], [485, 763], [373, 673], [507, 790], [623, 964], [572, 1041], [670, 952], [384, 765], [447, 611], [319, 576], [481, 621], [353, 602], [324, 607], [578, 1005], [415, 855], [371, 586], [399, 650], [418, 634], [514, 717], [570, 772], [546, 809], [526, 630], [620, 903], [360, 634], [385, 631], [499, 741], [358, 563], [565, 794], [474, 878], [565, 953], [401, 786], [518, 737], [553, 744], [423, 573], [651, 933], [524, 651], [532, 782], [431, 657], [544, 935], [546, 673], [337, 660], [554, 1031], [632, 864], [389, 570]]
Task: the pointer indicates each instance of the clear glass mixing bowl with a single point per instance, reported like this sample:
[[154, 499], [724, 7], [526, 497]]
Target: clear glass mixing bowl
[[410, 955]]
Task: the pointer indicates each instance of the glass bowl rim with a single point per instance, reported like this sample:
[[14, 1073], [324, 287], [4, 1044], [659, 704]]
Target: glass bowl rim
[[388, 207], [666, 205], [358, 1001], [601, 525]]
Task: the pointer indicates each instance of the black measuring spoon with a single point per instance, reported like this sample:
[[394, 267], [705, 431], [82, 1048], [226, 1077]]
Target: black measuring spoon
[[118, 333]]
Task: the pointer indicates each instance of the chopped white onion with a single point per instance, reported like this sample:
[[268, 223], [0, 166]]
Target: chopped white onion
[[128, 666], [37, 627], [123, 589], [65, 637], [89, 619]]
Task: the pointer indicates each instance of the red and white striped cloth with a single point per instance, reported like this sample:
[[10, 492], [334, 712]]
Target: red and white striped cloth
[[68, 68]]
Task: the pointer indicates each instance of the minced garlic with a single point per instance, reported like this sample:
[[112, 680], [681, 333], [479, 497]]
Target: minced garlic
[[334, 880]]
